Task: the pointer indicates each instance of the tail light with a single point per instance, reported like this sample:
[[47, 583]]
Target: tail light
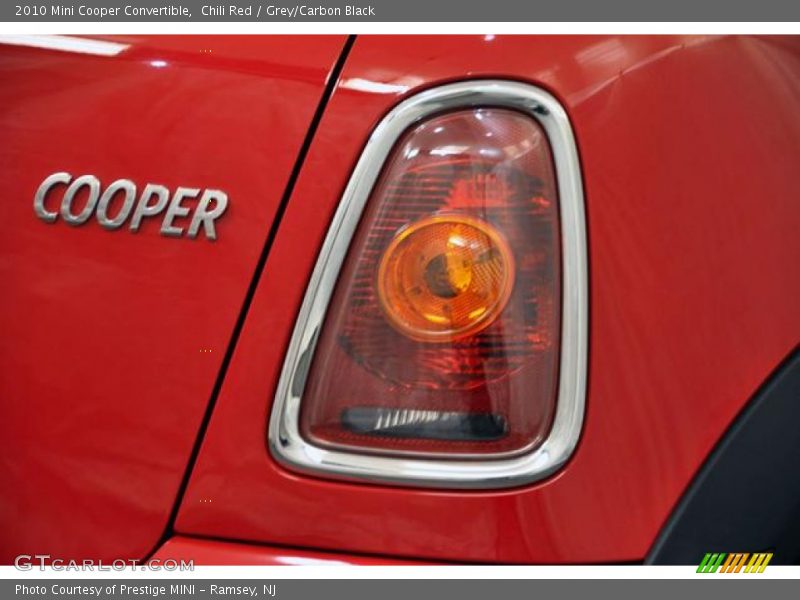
[[442, 340]]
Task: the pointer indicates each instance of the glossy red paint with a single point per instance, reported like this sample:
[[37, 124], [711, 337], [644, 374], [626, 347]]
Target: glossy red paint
[[213, 552], [689, 149], [111, 341]]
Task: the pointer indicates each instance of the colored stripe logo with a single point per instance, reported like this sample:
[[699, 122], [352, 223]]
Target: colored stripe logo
[[734, 562]]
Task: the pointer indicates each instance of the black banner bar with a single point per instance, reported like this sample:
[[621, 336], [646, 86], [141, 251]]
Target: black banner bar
[[731, 588], [493, 11]]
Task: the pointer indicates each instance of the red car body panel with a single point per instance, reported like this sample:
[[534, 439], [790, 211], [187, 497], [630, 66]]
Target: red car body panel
[[689, 150], [213, 552], [111, 341]]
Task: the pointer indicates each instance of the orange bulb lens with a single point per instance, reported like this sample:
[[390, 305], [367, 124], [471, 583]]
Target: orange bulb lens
[[445, 277], [442, 336]]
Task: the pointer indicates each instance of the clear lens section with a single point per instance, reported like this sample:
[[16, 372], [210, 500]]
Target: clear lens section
[[442, 335]]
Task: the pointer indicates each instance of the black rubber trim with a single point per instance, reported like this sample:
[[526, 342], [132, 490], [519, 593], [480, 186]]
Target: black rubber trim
[[746, 497], [330, 85]]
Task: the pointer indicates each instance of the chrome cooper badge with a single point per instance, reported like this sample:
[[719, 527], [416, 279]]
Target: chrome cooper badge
[[153, 200]]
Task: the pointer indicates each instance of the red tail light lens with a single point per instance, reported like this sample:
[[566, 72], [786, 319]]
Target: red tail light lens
[[442, 336]]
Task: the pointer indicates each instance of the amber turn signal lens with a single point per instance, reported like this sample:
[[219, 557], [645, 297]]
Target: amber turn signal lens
[[445, 277]]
